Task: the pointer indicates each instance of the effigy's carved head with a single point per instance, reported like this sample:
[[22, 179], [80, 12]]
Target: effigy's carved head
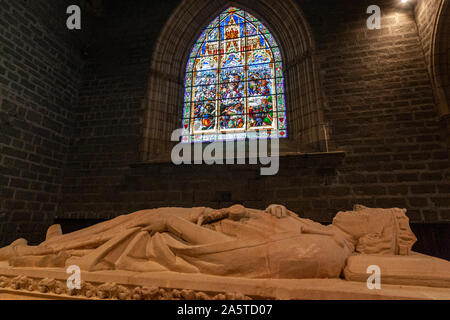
[[377, 231]]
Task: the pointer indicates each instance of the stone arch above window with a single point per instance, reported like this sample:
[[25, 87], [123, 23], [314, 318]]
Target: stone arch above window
[[440, 63], [289, 30]]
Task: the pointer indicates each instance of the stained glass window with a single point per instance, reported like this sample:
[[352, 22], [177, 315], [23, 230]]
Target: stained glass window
[[234, 86]]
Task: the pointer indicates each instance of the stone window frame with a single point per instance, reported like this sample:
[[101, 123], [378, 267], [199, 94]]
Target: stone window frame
[[440, 64], [163, 107]]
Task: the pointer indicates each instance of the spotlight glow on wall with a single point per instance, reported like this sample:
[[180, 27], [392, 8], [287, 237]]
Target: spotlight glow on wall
[[404, 1]]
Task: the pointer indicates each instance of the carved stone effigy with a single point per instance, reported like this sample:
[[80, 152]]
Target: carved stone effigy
[[234, 253]]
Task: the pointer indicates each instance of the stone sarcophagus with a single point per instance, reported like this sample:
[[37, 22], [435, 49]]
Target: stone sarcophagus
[[232, 253]]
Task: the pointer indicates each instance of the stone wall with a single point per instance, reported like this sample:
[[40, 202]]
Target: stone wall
[[40, 71], [433, 20], [108, 126], [382, 111], [379, 105]]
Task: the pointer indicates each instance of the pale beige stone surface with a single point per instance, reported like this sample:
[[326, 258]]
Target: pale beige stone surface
[[234, 241], [415, 269], [202, 253], [17, 296], [291, 289]]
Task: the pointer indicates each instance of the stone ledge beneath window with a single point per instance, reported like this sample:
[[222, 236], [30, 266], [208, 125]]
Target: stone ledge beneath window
[[329, 159]]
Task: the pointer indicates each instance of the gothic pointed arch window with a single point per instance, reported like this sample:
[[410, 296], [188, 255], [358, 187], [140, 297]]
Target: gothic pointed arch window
[[234, 86]]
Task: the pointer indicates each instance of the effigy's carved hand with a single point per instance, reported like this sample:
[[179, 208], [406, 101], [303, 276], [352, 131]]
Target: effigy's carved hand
[[279, 211], [210, 215], [236, 213]]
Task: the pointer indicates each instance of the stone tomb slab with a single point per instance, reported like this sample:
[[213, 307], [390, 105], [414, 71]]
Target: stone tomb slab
[[213, 286]]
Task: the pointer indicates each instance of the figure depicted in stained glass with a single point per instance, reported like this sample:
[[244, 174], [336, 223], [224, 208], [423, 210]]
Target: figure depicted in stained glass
[[234, 82]]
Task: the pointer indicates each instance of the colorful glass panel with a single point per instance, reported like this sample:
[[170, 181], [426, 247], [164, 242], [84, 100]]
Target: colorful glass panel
[[234, 87]]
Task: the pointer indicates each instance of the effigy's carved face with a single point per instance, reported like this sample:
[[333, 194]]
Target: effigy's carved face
[[377, 230], [351, 223]]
